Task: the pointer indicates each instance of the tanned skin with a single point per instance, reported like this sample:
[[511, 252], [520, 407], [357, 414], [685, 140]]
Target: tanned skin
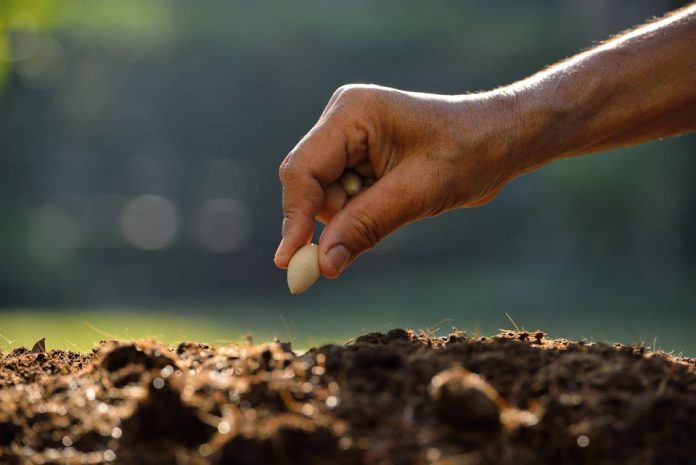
[[435, 153]]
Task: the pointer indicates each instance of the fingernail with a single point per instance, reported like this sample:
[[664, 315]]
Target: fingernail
[[338, 257]]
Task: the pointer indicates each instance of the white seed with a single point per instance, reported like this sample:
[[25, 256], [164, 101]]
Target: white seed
[[351, 182], [303, 269], [365, 170]]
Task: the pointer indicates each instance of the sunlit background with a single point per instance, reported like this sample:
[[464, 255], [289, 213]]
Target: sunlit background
[[139, 145]]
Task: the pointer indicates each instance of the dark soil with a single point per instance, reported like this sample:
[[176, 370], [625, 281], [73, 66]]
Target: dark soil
[[389, 399]]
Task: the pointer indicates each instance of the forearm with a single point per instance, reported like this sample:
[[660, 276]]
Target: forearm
[[636, 87]]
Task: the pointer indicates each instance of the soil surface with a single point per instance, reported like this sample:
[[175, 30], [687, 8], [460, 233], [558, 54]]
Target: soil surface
[[390, 399]]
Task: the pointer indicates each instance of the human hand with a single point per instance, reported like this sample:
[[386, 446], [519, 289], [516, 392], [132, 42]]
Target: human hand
[[430, 154]]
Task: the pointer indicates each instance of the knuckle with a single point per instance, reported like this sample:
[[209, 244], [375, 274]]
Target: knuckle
[[364, 228], [351, 103], [293, 216], [288, 220], [349, 92], [301, 202], [360, 102], [285, 169]]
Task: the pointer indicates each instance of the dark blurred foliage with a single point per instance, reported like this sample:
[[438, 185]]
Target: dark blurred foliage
[[139, 145]]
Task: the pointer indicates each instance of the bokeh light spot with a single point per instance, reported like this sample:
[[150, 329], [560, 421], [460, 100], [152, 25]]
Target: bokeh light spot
[[149, 222]]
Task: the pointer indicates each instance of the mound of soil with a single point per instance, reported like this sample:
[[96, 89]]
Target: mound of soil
[[390, 399]]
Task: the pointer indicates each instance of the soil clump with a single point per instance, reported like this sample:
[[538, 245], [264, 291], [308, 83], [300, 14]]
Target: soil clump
[[400, 398]]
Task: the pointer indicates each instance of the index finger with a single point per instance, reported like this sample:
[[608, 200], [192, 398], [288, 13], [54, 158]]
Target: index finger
[[318, 160]]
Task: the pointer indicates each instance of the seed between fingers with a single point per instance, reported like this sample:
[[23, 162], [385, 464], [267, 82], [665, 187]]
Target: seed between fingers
[[365, 170], [351, 182]]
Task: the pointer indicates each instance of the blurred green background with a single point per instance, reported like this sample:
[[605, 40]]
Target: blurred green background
[[139, 145]]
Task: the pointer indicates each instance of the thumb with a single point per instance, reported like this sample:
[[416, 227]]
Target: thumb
[[367, 219]]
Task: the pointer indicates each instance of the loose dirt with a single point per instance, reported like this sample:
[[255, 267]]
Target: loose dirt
[[389, 399]]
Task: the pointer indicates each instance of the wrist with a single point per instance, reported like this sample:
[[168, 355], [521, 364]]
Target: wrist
[[493, 131], [523, 125]]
